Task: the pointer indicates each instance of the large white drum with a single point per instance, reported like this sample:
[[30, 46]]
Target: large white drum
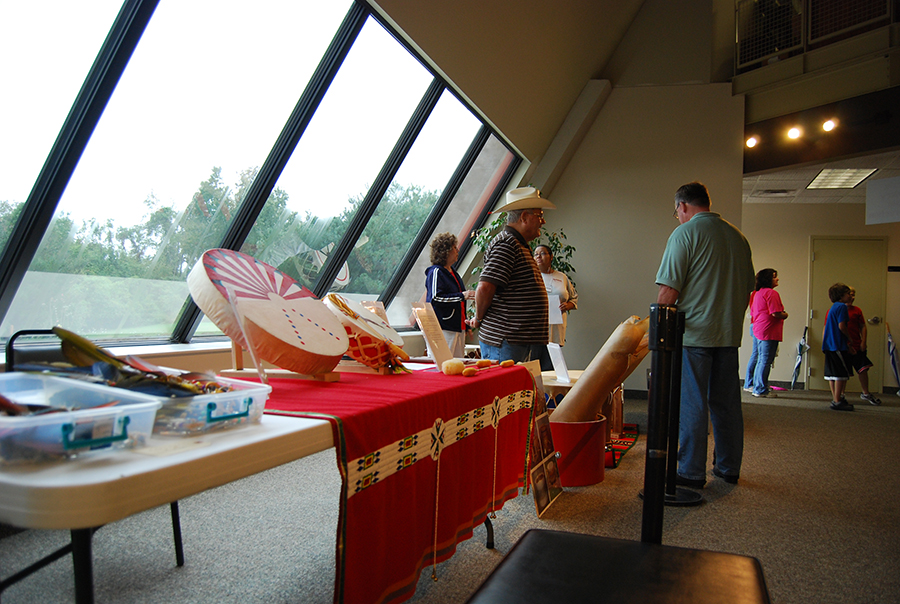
[[287, 325]]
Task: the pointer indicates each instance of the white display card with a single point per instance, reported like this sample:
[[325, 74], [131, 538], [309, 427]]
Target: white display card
[[559, 362], [434, 335]]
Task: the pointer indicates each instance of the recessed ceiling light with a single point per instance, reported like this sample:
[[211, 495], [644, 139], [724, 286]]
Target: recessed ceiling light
[[829, 125], [794, 133], [840, 178], [751, 142]]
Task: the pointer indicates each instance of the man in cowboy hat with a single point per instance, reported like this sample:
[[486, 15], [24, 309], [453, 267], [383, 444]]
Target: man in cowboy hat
[[511, 301]]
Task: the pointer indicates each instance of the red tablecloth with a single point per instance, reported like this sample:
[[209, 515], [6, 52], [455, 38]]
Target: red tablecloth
[[401, 439]]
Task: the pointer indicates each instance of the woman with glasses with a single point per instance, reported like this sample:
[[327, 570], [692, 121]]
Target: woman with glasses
[[557, 284]]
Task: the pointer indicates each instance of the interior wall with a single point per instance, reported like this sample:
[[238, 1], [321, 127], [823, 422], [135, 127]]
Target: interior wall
[[616, 197], [779, 235], [522, 63], [673, 57]]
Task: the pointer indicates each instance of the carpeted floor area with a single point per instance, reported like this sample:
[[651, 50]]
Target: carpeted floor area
[[818, 504]]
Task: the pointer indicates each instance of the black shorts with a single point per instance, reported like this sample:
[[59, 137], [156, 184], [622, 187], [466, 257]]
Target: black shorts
[[860, 362], [836, 362]]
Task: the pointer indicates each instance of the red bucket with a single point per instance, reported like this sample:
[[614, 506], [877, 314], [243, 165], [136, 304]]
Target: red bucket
[[582, 451]]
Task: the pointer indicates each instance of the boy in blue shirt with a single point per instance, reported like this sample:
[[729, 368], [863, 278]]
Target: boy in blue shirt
[[835, 346]]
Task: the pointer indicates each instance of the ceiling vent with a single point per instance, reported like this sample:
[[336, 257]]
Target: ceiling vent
[[775, 193]]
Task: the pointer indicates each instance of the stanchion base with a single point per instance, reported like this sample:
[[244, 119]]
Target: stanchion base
[[681, 498], [684, 498]]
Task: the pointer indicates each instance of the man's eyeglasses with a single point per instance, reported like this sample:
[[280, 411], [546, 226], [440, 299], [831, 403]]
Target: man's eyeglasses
[[539, 214], [675, 213]]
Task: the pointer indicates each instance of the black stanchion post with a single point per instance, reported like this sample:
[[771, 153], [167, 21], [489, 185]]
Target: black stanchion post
[[676, 496], [674, 408], [662, 343]]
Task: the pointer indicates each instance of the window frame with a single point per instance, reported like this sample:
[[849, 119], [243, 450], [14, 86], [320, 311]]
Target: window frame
[[103, 77], [94, 94]]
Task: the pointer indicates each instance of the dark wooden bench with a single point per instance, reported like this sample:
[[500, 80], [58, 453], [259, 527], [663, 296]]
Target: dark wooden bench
[[552, 566]]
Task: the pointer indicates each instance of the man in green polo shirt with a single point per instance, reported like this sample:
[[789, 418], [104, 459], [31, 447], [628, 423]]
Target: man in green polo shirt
[[707, 271]]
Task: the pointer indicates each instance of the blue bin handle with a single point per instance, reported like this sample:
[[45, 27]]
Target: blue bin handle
[[70, 443], [210, 407]]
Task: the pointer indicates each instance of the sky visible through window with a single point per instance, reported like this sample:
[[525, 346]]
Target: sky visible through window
[[184, 103], [43, 61]]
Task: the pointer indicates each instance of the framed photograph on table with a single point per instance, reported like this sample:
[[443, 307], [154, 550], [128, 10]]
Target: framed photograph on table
[[544, 471]]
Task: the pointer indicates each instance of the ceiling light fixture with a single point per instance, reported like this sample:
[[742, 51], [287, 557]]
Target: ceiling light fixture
[[752, 141], [840, 178], [794, 133], [829, 125]]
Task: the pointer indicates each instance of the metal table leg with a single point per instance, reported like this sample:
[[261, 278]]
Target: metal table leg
[[82, 559], [489, 543], [176, 534]]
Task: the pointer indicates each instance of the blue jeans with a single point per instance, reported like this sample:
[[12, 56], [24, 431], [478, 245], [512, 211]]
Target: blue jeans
[[751, 365], [767, 350], [518, 353], [710, 387]]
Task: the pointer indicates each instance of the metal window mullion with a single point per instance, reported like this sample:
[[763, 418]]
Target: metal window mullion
[[376, 192], [496, 194], [434, 217], [40, 207], [414, 51], [258, 193], [261, 187]]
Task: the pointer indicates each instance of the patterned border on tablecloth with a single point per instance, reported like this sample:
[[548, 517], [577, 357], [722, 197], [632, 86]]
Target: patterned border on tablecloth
[[374, 467]]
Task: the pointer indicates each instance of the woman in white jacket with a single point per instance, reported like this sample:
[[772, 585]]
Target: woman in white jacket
[[556, 284]]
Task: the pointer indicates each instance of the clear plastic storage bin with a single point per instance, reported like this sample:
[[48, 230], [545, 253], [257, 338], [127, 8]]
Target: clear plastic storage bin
[[87, 416], [206, 412]]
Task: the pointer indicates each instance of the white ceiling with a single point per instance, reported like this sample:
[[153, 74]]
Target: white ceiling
[[789, 185]]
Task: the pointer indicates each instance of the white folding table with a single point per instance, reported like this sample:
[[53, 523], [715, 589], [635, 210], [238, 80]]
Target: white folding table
[[101, 487]]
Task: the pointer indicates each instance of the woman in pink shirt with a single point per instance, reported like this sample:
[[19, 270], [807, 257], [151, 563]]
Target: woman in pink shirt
[[767, 316]]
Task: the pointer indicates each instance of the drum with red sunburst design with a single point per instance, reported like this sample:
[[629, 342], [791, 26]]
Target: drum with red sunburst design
[[287, 325]]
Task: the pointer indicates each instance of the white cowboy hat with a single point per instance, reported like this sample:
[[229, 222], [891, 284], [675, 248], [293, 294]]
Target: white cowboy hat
[[524, 198]]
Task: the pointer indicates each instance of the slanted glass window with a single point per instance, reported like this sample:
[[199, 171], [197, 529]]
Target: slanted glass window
[[410, 198], [476, 191], [43, 60], [200, 123], [195, 114], [342, 151]]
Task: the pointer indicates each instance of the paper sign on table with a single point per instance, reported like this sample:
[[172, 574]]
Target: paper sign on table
[[434, 335], [559, 362]]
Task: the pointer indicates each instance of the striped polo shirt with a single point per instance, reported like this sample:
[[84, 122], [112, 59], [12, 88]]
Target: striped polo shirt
[[519, 312]]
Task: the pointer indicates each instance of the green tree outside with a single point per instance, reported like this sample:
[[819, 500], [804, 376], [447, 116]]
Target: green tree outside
[[168, 242]]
